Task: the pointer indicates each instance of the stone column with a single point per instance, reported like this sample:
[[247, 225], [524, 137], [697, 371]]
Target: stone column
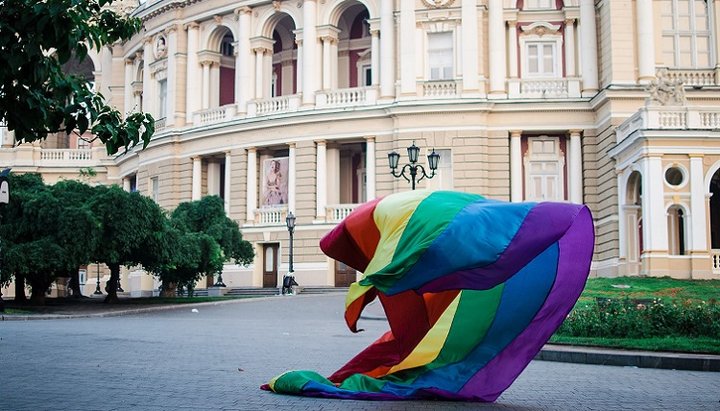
[[148, 89], [496, 39], [129, 78], [321, 180], [588, 42], [299, 62], [126, 184], [243, 61], [570, 48], [645, 41], [407, 51], [292, 178], [387, 49], [327, 74], [469, 16], [375, 55], [698, 218], [251, 193], [259, 72], [171, 109], [370, 167], [516, 177], [226, 188], [193, 81], [196, 178], [512, 49], [206, 84], [655, 235], [309, 50], [575, 167]]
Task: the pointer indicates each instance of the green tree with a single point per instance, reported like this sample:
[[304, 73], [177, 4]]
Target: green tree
[[208, 237], [54, 233], [15, 229], [132, 232], [36, 97]]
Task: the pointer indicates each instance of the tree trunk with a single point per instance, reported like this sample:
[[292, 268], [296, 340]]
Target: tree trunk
[[169, 290], [111, 285], [20, 289], [75, 285], [37, 296]]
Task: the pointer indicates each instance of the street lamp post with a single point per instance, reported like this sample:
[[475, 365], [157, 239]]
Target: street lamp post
[[413, 168], [290, 221], [97, 285], [4, 199]]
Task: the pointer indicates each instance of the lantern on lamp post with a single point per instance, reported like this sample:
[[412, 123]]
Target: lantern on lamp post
[[413, 168]]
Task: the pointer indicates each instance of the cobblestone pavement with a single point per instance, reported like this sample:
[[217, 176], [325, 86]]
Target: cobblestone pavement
[[216, 359]]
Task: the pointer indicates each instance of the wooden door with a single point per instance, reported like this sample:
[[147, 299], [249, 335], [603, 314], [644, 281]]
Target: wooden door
[[270, 265], [344, 275]]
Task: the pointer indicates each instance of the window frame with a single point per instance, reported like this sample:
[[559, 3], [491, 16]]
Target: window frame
[[674, 35], [429, 54]]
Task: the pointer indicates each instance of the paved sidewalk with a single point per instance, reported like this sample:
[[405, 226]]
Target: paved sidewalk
[[374, 311]]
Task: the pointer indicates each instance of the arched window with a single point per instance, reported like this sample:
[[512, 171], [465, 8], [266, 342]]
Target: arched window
[[676, 230], [686, 33]]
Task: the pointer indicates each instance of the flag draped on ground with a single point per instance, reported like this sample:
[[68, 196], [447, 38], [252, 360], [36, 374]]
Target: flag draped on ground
[[472, 289]]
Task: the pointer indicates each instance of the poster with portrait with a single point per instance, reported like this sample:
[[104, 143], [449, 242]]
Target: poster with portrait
[[274, 182]]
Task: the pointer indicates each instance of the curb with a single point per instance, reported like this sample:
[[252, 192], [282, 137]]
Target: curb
[[623, 358]]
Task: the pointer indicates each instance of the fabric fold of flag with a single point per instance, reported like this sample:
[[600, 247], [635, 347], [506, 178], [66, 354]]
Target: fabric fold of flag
[[472, 289]]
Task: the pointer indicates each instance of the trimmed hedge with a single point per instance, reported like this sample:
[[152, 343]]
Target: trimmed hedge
[[642, 319]]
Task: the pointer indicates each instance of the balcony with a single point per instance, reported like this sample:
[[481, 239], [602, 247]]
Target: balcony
[[215, 115], [670, 118], [693, 77], [439, 89], [275, 105], [346, 97], [544, 88], [270, 215], [337, 212], [160, 124]]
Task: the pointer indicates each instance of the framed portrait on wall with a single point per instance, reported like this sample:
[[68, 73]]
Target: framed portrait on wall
[[274, 182]]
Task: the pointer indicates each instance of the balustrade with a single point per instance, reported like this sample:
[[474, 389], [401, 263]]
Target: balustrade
[[337, 212], [693, 77], [69, 155], [270, 216]]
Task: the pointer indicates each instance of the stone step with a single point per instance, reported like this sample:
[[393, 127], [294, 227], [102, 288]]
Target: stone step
[[323, 290]]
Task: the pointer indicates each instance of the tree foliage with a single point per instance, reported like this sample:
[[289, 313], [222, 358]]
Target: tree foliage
[[36, 97], [131, 232], [206, 238]]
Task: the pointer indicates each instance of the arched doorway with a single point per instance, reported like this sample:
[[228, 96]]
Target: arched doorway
[[284, 59], [633, 222], [715, 220], [676, 230], [222, 70], [353, 68]]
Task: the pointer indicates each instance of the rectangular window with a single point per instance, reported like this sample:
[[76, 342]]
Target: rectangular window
[[440, 55], [539, 4], [544, 162], [367, 75], [155, 188], [686, 33], [162, 104], [443, 179], [541, 60]]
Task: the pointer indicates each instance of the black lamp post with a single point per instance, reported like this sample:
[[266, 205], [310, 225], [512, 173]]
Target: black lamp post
[[4, 199], [219, 282], [97, 285], [413, 167], [290, 221]]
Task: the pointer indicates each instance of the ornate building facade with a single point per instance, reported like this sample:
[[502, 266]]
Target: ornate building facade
[[294, 105]]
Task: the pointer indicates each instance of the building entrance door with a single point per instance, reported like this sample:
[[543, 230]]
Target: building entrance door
[[344, 275], [270, 265]]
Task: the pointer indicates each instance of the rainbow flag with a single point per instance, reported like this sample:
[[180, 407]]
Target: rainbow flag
[[472, 289]]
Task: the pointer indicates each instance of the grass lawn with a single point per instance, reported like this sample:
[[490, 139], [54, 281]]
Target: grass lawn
[[644, 288], [677, 344]]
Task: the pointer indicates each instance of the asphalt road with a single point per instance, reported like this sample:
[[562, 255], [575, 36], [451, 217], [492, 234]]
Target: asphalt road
[[217, 358]]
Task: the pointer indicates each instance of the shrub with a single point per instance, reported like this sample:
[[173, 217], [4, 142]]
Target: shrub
[[632, 319]]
